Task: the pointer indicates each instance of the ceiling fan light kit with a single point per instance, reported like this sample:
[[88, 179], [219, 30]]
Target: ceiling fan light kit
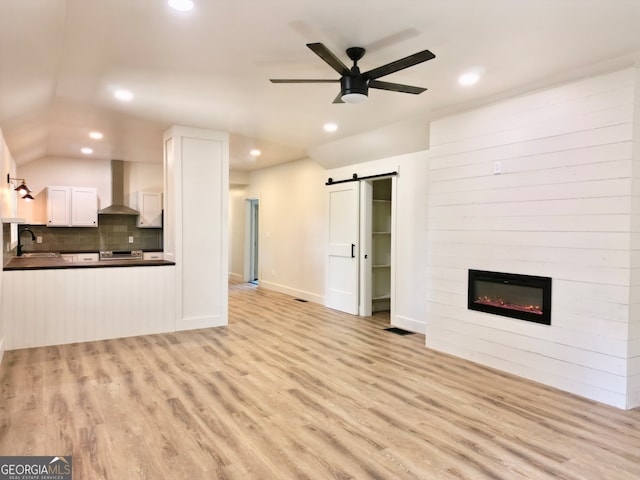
[[354, 89], [354, 86]]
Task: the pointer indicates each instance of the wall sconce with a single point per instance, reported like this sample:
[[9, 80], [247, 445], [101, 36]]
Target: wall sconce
[[22, 189]]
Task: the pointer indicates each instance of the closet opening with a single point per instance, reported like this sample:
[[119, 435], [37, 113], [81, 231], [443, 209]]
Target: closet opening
[[377, 238]]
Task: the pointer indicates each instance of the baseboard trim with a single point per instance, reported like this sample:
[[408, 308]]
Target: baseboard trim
[[195, 323], [311, 297], [409, 324], [1, 349]]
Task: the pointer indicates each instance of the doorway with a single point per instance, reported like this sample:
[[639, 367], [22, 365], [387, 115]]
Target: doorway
[[381, 238], [252, 244], [377, 242], [362, 243]]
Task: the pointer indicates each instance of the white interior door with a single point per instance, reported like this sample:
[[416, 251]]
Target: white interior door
[[342, 262]]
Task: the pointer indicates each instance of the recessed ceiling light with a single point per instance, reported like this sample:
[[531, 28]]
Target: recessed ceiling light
[[181, 5], [124, 95], [330, 127], [96, 135], [468, 79], [87, 150], [255, 152]]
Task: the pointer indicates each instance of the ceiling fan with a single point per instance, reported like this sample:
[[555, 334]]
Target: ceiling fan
[[354, 86]]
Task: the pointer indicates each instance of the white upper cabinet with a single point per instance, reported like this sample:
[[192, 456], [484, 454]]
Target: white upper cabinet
[[150, 208], [84, 207], [58, 206], [72, 206]]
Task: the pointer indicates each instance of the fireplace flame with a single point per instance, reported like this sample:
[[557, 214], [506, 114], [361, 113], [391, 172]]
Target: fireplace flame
[[500, 303]]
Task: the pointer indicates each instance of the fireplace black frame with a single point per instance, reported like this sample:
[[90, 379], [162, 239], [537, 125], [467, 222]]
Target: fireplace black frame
[[543, 283]]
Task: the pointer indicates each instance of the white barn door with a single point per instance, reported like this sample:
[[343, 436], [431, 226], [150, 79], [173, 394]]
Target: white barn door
[[342, 262]]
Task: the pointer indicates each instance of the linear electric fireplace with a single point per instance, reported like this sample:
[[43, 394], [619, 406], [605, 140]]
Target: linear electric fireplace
[[517, 296]]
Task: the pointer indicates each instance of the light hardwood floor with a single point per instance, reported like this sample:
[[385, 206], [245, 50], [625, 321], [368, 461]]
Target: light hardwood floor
[[292, 390]]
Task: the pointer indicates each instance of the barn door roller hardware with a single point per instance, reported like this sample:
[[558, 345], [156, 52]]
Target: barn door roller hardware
[[355, 178]]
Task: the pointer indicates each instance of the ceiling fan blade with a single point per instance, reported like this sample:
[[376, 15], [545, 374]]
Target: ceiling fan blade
[[395, 87], [325, 54], [301, 80], [338, 99], [401, 64]]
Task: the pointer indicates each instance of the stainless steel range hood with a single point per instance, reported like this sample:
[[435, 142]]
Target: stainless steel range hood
[[117, 206]]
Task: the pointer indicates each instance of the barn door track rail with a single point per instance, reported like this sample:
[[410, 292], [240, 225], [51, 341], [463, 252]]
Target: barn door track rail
[[356, 178]]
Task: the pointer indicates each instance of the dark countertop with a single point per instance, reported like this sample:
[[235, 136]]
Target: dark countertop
[[46, 263]]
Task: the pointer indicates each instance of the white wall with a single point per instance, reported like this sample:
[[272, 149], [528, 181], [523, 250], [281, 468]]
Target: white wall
[[8, 199], [561, 208], [633, 383], [141, 177], [237, 205], [400, 138], [292, 236]]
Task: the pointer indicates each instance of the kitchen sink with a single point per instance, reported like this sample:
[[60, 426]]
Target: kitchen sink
[[40, 255]]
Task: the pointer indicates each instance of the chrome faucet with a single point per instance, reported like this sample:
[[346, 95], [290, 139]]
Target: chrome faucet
[[33, 238]]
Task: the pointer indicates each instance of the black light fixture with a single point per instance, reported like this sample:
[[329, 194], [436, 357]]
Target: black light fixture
[[22, 189], [354, 89]]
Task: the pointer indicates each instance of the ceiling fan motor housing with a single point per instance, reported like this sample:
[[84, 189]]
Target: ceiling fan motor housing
[[357, 84]]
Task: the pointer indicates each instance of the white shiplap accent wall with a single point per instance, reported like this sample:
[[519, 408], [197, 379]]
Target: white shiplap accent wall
[[51, 307], [633, 382], [561, 208]]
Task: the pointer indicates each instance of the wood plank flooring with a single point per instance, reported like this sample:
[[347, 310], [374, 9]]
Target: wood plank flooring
[[292, 390]]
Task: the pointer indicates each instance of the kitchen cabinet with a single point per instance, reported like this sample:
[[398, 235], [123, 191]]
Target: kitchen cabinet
[[72, 206], [150, 208], [80, 257], [58, 206]]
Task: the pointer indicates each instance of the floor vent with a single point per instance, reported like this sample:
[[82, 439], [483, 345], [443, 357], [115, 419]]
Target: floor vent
[[398, 331], [301, 300]]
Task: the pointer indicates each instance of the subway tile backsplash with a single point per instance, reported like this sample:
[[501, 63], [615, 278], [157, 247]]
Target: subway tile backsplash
[[112, 233], [6, 243]]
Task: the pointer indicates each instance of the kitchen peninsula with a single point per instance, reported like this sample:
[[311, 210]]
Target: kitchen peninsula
[[58, 262], [47, 247], [87, 301]]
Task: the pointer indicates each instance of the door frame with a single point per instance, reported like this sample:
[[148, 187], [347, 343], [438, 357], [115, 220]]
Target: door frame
[[366, 249], [251, 239], [366, 245]]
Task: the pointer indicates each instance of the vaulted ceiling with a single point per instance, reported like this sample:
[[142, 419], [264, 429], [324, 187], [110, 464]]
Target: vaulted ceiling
[[62, 60]]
